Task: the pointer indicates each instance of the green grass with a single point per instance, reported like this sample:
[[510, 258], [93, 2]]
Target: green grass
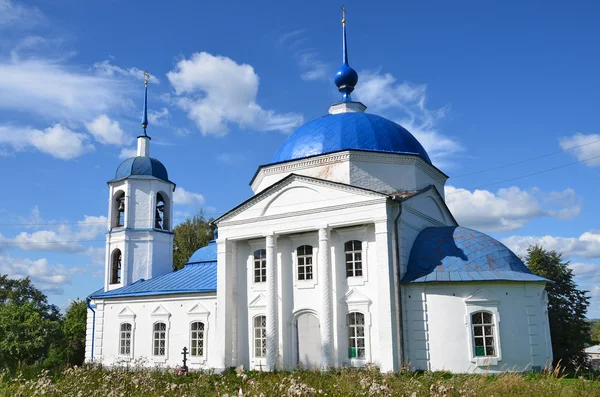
[[137, 381]]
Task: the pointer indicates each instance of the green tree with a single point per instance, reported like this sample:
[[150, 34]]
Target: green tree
[[73, 330], [595, 332], [21, 291], [190, 235], [567, 306]]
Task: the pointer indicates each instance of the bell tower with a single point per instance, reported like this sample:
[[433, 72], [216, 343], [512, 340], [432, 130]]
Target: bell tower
[[139, 241]]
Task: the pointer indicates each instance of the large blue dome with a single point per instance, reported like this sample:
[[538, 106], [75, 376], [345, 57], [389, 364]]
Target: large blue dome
[[349, 131], [142, 166], [453, 253]]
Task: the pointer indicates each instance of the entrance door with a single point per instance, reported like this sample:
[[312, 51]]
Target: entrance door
[[309, 341]]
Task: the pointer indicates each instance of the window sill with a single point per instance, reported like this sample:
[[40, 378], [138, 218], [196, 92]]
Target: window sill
[[354, 281], [357, 362], [159, 360], [305, 284], [485, 361]]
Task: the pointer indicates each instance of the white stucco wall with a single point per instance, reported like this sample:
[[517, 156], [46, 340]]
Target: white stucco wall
[[437, 329]]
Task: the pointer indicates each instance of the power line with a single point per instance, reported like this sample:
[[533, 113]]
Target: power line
[[524, 161]]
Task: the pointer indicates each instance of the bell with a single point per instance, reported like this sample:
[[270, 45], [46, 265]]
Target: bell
[[121, 205], [158, 220], [161, 207]]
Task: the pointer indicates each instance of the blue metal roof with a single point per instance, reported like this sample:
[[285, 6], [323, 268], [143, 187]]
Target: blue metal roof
[[205, 254], [193, 278], [142, 166], [460, 254], [349, 131]]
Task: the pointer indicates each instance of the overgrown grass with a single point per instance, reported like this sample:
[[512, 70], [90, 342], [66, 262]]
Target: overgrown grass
[[138, 381]]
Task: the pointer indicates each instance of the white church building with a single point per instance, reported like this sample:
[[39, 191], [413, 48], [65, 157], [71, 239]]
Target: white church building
[[346, 254]]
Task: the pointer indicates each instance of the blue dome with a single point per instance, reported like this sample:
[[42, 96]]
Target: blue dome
[[205, 254], [453, 253], [349, 131], [142, 166]]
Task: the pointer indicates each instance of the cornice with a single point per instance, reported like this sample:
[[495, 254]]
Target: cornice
[[422, 215]]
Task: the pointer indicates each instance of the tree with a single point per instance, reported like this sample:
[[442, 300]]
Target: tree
[[21, 291], [190, 235], [595, 331], [567, 306], [73, 330]]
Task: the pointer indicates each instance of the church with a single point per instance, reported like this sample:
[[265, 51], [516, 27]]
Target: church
[[345, 254]]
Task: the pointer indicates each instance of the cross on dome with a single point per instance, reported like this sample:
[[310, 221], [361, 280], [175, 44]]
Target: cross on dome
[[346, 77]]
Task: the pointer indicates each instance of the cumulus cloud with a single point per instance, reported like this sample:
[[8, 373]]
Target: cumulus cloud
[[215, 92], [587, 245], [158, 117], [63, 238], [58, 141], [510, 208], [583, 147], [106, 68], [183, 197], [50, 278], [107, 131], [406, 103], [127, 153]]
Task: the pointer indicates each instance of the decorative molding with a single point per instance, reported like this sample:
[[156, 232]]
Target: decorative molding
[[160, 312], [481, 298], [259, 302], [127, 314], [355, 297], [198, 310], [423, 216]]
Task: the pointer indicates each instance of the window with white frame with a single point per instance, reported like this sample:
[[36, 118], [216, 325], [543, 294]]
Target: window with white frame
[[354, 263], [260, 266], [260, 336], [125, 339], [356, 335], [304, 259], [159, 339], [483, 334], [197, 339]]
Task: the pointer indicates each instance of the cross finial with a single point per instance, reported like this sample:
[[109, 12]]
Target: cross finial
[[146, 77], [343, 14], [145, 111]]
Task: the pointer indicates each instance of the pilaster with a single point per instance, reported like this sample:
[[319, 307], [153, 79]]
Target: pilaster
[[325, 287], [271, 248]]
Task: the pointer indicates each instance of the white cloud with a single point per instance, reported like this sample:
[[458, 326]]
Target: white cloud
[[183, 197], [586, 245], [215, 91], [314, 68], [57, 141], [127, 153], [106, 68], [509, 209], [19, 16], [59, 237], [406, 103], [584, 269], [55, 91], [583, 147], [158, 117], [107, 131], [49, 278]]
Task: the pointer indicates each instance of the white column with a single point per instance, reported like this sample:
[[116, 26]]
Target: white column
[[325, 286], [271, 248], [386, 318], [222, 359], [143, 148]]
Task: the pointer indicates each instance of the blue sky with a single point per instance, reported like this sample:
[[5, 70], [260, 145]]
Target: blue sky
[[480, 84]]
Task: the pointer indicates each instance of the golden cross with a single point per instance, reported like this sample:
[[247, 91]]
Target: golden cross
[[343, 14], [146, 77]]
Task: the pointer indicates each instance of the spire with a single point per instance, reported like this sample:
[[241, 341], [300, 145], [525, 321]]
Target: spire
[[145, 116], [346, 77]]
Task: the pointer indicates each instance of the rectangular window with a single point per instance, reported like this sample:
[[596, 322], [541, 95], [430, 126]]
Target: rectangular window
[[197, 339], [353, 251], [356, 336], [260, 336], [125, 340], [483, 334], [304, 257], [260, 266], [159, 339]]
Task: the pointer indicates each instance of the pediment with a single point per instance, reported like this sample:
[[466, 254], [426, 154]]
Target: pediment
[[126, 313], [299, 194], [198, 309], [260, 301], [429, 204], [355, 297], [160, 311], [481, 297]]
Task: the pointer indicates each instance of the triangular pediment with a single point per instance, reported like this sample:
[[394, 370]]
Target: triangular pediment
[[429, 204], [160, 311], [198, 309], [126, 313], [298, 194], [259, 301], [354, 296], [481, 297]]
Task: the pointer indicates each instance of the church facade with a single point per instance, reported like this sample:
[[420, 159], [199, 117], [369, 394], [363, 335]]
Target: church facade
[[346, 254]]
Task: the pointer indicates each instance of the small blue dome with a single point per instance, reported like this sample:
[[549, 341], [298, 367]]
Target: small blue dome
[[349, 131], [205, 254], [345, 79], [454, 253], [142, 166]]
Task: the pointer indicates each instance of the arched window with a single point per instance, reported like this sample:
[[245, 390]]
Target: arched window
[[356, 335], [304, 258], [260, 266], [483, 334], [115, 269], [197, 339], [159, 339], [260, 336], [161, 216], [119, 207], [353, 250], [125, 340]]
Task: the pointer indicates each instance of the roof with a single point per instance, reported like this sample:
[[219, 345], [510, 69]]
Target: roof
[[593, 349], [142, 166], [349, 131], [193, 278], [205, 254], [452, 253]]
